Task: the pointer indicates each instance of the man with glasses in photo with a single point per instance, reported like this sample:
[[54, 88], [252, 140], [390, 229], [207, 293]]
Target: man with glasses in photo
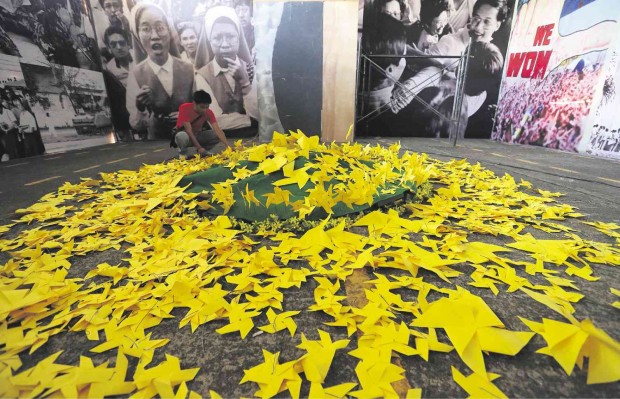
[[160, 83], [117, 43], [113, 10], [487, 18], [115, 74]]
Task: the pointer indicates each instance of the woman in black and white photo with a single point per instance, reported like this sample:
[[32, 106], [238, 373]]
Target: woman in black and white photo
[[160, 81], [188, 36], [432, 25], [227, 74]]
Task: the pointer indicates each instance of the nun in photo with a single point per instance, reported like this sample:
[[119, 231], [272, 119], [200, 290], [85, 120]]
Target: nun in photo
[[225, 69], [160, 81]]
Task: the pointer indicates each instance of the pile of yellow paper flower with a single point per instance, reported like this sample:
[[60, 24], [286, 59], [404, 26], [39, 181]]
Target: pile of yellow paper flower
[[173, 259]]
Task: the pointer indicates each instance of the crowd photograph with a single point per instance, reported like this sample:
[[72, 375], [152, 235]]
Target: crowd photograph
[[604, 138], [156, 54], [420, 34], [549, 112]]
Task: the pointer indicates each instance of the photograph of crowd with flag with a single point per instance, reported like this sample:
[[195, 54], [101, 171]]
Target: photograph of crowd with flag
[[553, 78]]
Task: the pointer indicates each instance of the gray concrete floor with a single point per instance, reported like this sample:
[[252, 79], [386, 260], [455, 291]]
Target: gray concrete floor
[[591, 184], [25, 180]]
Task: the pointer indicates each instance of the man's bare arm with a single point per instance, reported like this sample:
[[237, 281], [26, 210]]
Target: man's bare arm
[[220, 134]]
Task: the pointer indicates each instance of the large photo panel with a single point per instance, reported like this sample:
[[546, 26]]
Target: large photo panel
[[157, 53], [406, 42], [602, 133], [554, 70], [51, 80]]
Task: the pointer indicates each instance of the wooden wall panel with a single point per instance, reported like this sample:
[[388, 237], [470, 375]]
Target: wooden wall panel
[[339, 68]]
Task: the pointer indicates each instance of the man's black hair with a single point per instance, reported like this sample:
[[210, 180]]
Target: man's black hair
[[387, 36], [501, 5], [111, 30], [401, 4], [431, 9], [201, 97]]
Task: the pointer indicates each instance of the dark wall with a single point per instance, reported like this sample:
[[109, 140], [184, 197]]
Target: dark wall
[[298, 67]]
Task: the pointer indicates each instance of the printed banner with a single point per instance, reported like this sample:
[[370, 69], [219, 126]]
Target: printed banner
[[51, 87], [406, 41], [156, 53], [603, 137], [557, 52]]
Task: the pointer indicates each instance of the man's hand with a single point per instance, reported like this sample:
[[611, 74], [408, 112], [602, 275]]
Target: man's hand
[[220, 134], [202, 151], [238, 71], [143, 98]]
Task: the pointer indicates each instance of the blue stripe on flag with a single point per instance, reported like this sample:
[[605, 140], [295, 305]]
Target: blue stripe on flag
[[574, 5], [579, 15]]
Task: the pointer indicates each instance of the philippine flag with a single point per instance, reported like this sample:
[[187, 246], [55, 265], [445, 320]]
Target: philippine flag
[[584, 27], [580, 15]]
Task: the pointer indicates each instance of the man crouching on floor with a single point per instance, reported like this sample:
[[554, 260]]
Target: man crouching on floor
[[189, 127]]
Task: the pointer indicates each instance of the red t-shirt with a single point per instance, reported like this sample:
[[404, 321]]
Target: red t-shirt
[[188, 114]]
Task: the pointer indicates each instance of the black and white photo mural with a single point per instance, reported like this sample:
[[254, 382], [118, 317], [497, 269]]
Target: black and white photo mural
[[51, 79], [157, 53], [603, 134], [430, 30]]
